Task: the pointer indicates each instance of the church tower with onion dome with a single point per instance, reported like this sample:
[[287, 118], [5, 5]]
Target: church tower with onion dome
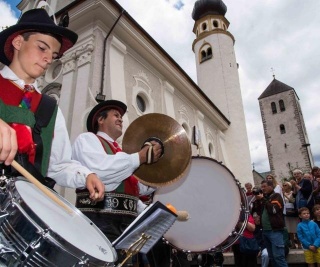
[[218, 78]]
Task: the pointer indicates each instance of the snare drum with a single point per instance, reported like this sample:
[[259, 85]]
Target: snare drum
[[213, 198], [42, 233]]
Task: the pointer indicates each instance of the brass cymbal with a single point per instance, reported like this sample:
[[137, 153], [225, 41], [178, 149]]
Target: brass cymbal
[[177, 148]]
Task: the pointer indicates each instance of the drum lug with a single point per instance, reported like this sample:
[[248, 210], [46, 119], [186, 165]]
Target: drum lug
[[83, 262]]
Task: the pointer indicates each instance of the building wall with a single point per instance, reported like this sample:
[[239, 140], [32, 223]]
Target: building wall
[[134, 65], [285, 150]]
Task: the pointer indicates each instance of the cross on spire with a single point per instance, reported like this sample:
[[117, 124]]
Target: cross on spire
[[272, 70]]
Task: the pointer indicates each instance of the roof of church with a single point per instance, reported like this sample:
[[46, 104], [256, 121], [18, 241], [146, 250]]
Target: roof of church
[[208, 7], [275, 87]]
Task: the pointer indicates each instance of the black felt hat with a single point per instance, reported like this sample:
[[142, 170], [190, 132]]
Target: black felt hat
[[36, 20], [108, 104]]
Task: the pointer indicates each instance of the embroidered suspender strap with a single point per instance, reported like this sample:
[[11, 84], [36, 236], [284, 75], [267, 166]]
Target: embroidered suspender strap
[[46, 111], [105, 145], [13, 114]]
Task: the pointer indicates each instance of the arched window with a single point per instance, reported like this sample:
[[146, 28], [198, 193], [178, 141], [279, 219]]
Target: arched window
[[273, 108], [215, 24], [204, 26], [209, 52], [205, 53], [282, 129], [281, 105]]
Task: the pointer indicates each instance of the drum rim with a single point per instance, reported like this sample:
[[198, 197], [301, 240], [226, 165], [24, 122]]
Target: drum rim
[[77, 212]]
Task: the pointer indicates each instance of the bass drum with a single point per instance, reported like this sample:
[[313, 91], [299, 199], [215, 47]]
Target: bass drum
[[213, 199], [39, 232]]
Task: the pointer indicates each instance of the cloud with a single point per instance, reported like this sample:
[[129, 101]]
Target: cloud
[[7, 15]]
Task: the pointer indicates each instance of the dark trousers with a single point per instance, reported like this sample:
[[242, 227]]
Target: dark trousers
[[241, 259]]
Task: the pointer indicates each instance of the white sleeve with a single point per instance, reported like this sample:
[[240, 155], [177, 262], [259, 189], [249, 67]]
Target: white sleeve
[[62, 169], [111, 169], [145, 190]]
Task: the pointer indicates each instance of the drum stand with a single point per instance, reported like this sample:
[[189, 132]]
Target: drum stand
[[135, 248]]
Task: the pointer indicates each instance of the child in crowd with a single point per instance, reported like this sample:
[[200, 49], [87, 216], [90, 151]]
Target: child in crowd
[[316, 214], [309, 236]]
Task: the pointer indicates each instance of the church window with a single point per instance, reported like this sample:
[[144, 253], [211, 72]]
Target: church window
[[209, 52], [282, 129], [206, 53], [203, 55], [215, 24], [141, 103], [204, 26], [273, 108], [281, 104], [211, 150]]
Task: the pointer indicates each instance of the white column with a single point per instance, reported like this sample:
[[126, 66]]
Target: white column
[[81, 95], [67, 88]]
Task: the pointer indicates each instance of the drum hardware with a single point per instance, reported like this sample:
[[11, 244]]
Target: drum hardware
[[3, 180], [39, 238], [135, 248], [177, 148]]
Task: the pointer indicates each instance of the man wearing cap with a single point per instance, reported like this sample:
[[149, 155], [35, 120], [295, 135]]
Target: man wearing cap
[[97, 149], [42, 146]]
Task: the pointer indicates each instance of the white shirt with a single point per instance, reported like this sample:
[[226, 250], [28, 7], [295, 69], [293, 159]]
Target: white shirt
[[62, 169], [111, 169]]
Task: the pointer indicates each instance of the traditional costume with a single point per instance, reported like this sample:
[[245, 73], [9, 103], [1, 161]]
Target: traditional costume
[[100, 153], [43, 141]]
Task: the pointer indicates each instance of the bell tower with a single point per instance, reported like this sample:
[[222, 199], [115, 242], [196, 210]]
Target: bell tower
[[218, 78], [284, 129]]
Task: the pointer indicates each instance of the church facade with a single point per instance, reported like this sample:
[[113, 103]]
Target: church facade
[[115, 58]]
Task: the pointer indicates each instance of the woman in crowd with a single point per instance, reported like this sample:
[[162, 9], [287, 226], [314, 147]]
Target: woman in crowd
[[291, 216]]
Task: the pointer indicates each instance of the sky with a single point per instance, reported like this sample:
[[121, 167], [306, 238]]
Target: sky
[[282, 36]]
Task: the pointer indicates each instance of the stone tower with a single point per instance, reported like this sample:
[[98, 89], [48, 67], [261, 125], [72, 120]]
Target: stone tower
[[284, 129], [218, 77]]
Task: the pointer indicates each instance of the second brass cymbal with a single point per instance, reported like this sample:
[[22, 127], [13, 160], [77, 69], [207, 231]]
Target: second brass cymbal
[[177, 148]]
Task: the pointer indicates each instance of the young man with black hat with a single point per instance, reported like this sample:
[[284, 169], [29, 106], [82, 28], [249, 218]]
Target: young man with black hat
[[97, 149], [42, 145]]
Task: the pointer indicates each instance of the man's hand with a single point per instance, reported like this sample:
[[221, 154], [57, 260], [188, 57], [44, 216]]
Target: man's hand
[[313, 248], [8, 143], [95, 187], [157, 151]]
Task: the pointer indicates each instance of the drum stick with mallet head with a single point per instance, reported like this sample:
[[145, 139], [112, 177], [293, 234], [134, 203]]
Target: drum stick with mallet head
[[182, 215], [42, 187]]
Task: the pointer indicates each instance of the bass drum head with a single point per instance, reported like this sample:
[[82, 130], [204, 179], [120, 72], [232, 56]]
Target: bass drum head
[[211, 196], [74, 227]]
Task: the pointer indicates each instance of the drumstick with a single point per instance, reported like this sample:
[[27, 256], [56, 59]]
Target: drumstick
[[182, 215], [43, 188]]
